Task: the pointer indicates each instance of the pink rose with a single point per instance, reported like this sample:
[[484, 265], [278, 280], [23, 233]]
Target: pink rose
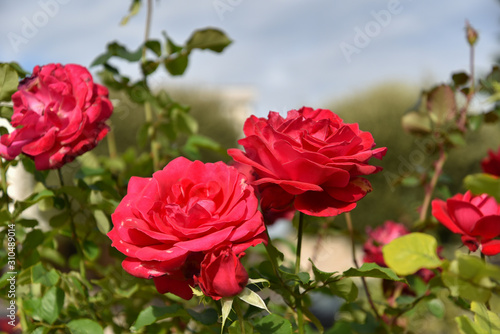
[[311, 158], [222, 274], [491, 164], [60, 114], [476, 218], [178, 226], [378, 238]]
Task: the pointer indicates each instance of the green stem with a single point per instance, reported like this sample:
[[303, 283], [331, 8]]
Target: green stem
[[3, 171], [353, 252], [73, 228], [148, 111], [430, 188], [299, 242], [110, 138], [298, 302], [487, 303], [239, 314]]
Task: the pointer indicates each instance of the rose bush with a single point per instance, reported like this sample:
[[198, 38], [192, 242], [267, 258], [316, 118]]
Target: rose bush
[[476, 218], [60, 114], [491, 164], [188, 225], [310, 161]]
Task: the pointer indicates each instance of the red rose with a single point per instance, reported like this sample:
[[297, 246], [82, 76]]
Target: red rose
[[380, 236], [491, 164], [476, 218], [222, 274], [312, 156], [172, 225], [61, 114]]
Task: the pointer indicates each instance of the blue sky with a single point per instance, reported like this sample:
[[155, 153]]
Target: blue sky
[[288, 51]]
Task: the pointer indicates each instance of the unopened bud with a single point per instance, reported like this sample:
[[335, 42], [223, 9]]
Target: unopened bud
[[471, 34]]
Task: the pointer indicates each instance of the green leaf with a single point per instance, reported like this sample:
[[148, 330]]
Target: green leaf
[[40, 275], [416, 122], [149, 66], [485, 319], [88, 171], [60, 219], [151, 314], [273, 324], [91, 250], [212, 39], [344, 288], [84, 326], [9, 80], [187, 123], [410, 253], [460, 79], [52, 304], [319, 275], [466, 326], [176, 64], [483, 184], [227, 304], [33, 240], [154, 46], [134, 9], [436, 307], [470, 278], [374, 270], [252, 298], [207, 317], [102, 220], [235, 328], [441, 103], [27, 222], [6, 112], [116, 50]]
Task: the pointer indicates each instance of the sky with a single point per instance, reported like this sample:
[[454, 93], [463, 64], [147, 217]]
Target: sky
[[290, 52]]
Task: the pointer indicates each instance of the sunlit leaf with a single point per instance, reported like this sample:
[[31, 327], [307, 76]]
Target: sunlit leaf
[[409, 253]]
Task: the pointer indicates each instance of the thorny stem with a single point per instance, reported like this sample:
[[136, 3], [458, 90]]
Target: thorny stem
[[73, 228], [430, 188], [353, 251]]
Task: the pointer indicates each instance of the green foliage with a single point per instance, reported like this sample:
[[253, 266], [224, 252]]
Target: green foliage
[[485, 321], [409, 253], [483, 184], [8, 81]]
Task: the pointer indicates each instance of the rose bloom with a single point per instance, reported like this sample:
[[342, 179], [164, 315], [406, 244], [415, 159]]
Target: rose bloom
[[378, 238], [189, 225], [60, 114], [491, 164], [476, 218], [310, 161]]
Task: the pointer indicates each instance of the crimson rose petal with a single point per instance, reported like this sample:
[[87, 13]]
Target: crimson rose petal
[[60, 114], [313, 156], [187, 224]]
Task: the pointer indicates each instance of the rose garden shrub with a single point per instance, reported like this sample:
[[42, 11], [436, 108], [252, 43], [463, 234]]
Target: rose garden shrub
[[166, 244]]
